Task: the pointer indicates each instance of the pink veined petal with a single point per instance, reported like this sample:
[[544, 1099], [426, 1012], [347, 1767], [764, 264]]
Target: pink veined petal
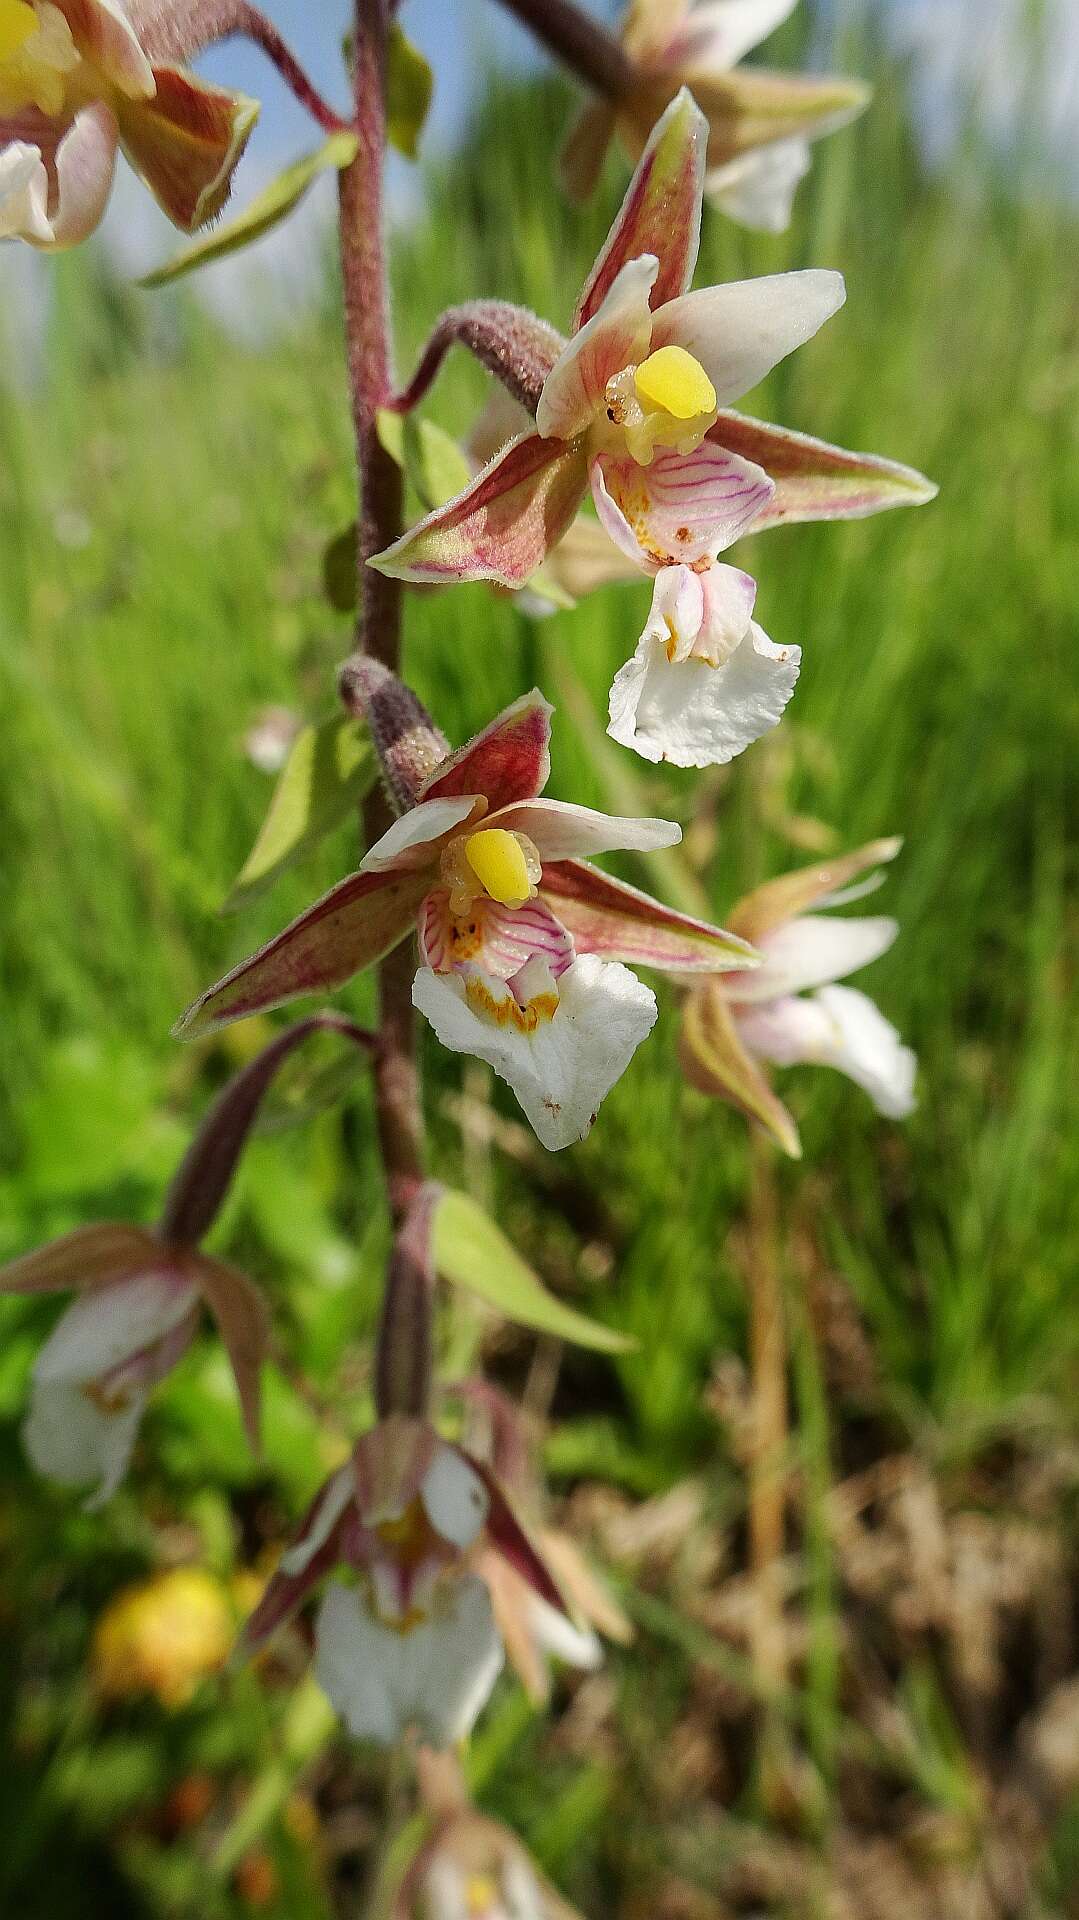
[[740, 331], [618, 922], [102, 31], [186, 143], [560, 830], [661, 213], [816, 481], [616, 337], [813, 951], [509, 760], [500, 528], [411, 841], [351, 927], [85, 165], [683, 508], [499, 939]]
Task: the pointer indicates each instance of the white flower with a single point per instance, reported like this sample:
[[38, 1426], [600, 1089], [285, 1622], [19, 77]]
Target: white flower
[[437, 1675], [705, 680], [836, 1027]]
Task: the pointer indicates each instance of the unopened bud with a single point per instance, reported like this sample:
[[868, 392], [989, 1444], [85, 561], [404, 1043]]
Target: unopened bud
[[407, 741]]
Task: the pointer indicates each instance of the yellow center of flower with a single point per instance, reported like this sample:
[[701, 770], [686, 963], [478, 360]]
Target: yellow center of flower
[[497, 859], [37, 55], [17, 23], [480, 1894], [672, 381]]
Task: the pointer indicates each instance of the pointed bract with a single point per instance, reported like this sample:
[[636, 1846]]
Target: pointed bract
[[661, 213]]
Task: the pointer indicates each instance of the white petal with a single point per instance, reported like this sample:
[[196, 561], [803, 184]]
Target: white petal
[[24, 194], [616, 337], [740, 331], [72, 1439], [812, 951], [560, 1638], [561, 830], [407, 843], [455, 1497], [103, 1329], [696, 715], [436, 1676], [561, 1071], [758, 189], [836, 1027], [717, 35]]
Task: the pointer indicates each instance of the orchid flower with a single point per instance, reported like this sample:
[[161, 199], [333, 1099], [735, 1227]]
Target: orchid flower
[[471, 1868], [773, 1016], [135, 1316], [760, 123], [524, 947], [636, 406], [413, 1642], [76, 85]]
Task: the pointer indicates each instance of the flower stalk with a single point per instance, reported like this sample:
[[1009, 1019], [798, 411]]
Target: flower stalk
[[583, 46], [366, 307], [170, 30]]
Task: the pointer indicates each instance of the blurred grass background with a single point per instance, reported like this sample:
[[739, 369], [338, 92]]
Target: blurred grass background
[[166, 498]]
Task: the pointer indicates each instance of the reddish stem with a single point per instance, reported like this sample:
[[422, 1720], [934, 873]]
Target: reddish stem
[[178, 29], [579, 42], [363, 268]]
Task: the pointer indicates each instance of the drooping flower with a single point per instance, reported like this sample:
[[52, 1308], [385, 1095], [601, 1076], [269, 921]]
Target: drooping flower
[[136, 1314], [760, 123], [76, 85], [791, 1011], [413, 1642], [525, 948], [637, 407], [471, 1868]]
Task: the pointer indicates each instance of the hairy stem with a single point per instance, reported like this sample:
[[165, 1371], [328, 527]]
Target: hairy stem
[[178, 29], [366, 299], [583, 46]]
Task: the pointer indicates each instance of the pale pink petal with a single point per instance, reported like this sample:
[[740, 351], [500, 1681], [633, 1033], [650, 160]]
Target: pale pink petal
[[615, 338], [661, 213], [102, 31], [618, 922], [85, 164], [717, 34], [500, 528], [740, 331], [496, 938], [757, 189], [560, 830], [509, 760], [681, 509], [409, 842], [836, 1027], [24, 194], [813, 951]]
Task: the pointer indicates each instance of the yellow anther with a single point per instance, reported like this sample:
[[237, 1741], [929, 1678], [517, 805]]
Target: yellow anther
[[498, 862], [17, 23], [480, 1895], [673, 382]]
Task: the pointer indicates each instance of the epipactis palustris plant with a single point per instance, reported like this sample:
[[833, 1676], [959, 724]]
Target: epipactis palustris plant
[[760, 122], [636, 407], [525, 948], [477, 899]]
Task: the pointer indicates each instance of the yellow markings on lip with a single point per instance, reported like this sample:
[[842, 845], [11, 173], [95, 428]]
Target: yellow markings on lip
[[508, 1012], [672, 381], [497, 860], [18, 23]]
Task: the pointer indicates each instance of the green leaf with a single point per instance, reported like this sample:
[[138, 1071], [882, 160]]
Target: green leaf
[[409, 86], [473, 1253], [329, 770], [432, 460], [265, 211]]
